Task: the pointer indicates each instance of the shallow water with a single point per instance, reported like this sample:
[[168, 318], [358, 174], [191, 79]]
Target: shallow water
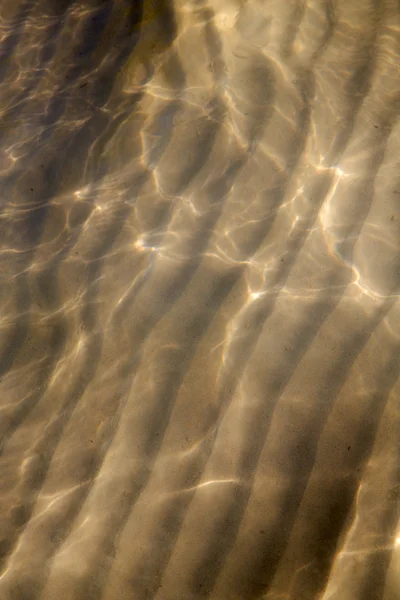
[[200, 319]]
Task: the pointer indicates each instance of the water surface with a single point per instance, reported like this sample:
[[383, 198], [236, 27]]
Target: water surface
[[199, 292]]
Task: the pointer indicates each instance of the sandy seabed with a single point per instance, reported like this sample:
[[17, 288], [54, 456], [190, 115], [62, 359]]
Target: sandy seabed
[[199, 300]]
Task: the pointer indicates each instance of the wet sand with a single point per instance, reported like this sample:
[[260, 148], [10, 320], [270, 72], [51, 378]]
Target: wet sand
[[199, 300]]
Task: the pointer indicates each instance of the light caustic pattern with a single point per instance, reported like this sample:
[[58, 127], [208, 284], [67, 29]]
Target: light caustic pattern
[[199, 324]]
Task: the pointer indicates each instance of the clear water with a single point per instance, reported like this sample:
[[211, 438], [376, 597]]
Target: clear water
[[199, 300]]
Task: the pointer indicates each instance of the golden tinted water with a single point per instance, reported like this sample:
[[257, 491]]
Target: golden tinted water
[[199, 292]]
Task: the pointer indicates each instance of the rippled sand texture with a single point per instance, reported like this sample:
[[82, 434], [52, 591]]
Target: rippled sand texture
[[200, 269]]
